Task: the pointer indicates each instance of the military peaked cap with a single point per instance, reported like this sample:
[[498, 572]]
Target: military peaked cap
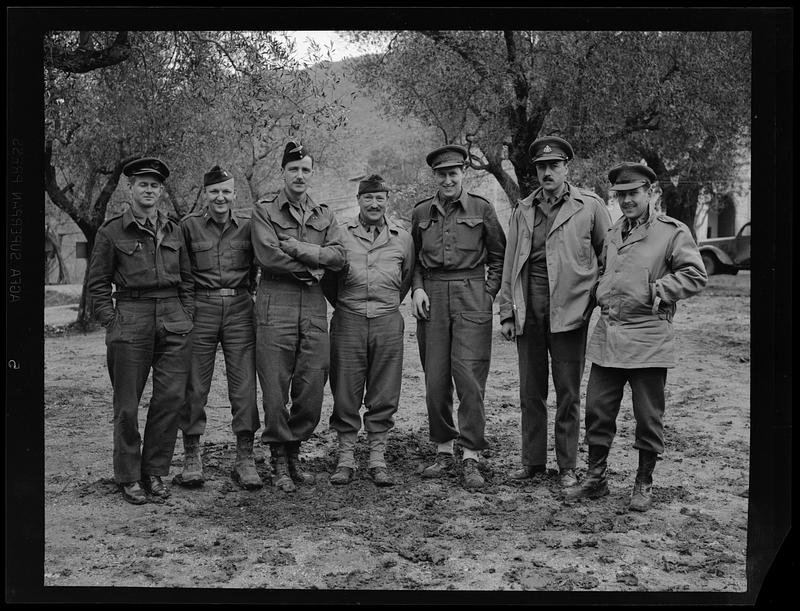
[[550, 148], [146, 165], [293, 151], [215, 175], [447, 156], [628, 176]]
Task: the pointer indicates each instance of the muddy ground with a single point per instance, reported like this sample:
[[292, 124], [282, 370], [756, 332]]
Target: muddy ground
[[421, 534]]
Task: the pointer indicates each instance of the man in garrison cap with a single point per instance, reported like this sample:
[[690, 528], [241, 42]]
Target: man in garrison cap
[[555, 238], [218, 240], [143, 255], [459, 245], [294, 240], [650, 261], [367, 330]]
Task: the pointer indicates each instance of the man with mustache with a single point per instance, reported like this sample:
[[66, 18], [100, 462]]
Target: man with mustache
[[294, 240], [142, 253], [367, 330], [555, 237], [649, 262], [459, 246], [218, 240]]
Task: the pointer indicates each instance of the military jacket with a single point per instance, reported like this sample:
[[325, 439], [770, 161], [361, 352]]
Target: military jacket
[[462, 235], [642, 278], [221, 258], [378, 272], [131, 257], [320, 245]]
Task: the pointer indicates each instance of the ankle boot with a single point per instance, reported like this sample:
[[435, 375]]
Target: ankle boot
[[280, 466], [376, 466], [296, 471], [346, 463], [191, 476], [641, 498], [594, 485], [244, 470]]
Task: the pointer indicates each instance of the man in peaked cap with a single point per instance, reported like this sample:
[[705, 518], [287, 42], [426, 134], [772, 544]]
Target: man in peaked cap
[[218, 240], [367, 330], [459, 246], [649, 262], [294, 240], [555, 237], [143, 254]]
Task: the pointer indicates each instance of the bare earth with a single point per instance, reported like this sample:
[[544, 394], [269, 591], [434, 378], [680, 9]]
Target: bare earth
[[421, 534]]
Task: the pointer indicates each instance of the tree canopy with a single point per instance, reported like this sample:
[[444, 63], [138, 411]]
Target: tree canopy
[[679, 100]]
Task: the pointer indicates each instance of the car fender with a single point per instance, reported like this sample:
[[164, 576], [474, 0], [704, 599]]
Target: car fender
[[721, 255]]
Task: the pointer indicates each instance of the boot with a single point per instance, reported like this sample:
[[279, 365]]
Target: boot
[[295, 470], [280, 465], [641, 499], [472, 476], [192, 474], [594, 485], [443, 465], [346, 464], [244, 470], [376, 467]]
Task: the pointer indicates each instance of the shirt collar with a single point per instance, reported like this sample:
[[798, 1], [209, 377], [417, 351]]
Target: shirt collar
[[307, 202]]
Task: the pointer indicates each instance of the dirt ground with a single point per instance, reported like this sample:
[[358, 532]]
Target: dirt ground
[[420, 534]]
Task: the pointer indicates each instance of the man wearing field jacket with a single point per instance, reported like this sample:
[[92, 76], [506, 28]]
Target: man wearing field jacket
[[555, 237], [650, 261]]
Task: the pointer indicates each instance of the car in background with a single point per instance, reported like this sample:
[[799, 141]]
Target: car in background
[[727, 255]]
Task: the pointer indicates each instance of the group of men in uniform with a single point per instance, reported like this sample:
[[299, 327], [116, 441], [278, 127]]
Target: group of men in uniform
[[258, 284]]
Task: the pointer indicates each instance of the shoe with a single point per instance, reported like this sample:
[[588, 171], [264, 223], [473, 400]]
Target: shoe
[[296, 472], [567, 478], [342, 476], [595, 484], [442, 465], [191, 476], [133, 493], [642, 498], [155, 487], [380, 476], [283, 481], [472, 476], [528, 471], [244, 469]]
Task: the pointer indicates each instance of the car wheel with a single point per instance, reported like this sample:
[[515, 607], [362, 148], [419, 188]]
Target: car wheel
[[711, 263]]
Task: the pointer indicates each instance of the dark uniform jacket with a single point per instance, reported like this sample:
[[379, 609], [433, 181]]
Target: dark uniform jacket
[[320, 242], [220, 259], [465, 234], [134, 258]]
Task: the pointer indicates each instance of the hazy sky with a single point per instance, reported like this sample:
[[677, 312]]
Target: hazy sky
[[341, 48]]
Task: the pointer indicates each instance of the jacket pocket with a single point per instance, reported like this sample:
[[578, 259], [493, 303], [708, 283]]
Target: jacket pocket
[[178, 327], [241, 253], [170, 254], [469, 233], [133, 260], [202, 255]]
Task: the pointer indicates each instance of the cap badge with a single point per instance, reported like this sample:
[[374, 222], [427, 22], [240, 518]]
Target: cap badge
[[547, 149]]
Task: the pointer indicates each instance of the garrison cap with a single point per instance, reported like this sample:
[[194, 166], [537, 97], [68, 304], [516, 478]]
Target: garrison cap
[[447, 156], [550, 148], [628, 176], [294, 151], [372, 184], [215, 175], [146, 165]]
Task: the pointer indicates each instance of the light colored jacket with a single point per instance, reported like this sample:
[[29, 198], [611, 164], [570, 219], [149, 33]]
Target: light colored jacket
[[573, 245], [642, 279], [378, 273]]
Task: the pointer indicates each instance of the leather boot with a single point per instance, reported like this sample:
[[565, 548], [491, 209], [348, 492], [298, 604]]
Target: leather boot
[[191, 476], [346, 464], [594, 485], [296, 471], [280, 465], [642, 499], [244, 470], [376, 467]]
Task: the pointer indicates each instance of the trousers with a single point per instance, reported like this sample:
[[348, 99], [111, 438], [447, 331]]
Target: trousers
[[147, 334], [603, 398], [225, 320], [292, 358], [455, 347], [366, 368], [567, 352]]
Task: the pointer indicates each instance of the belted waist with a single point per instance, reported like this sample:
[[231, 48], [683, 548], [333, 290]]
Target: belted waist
[[220, 292], [290, 279], [454, 274], [156, 293]]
